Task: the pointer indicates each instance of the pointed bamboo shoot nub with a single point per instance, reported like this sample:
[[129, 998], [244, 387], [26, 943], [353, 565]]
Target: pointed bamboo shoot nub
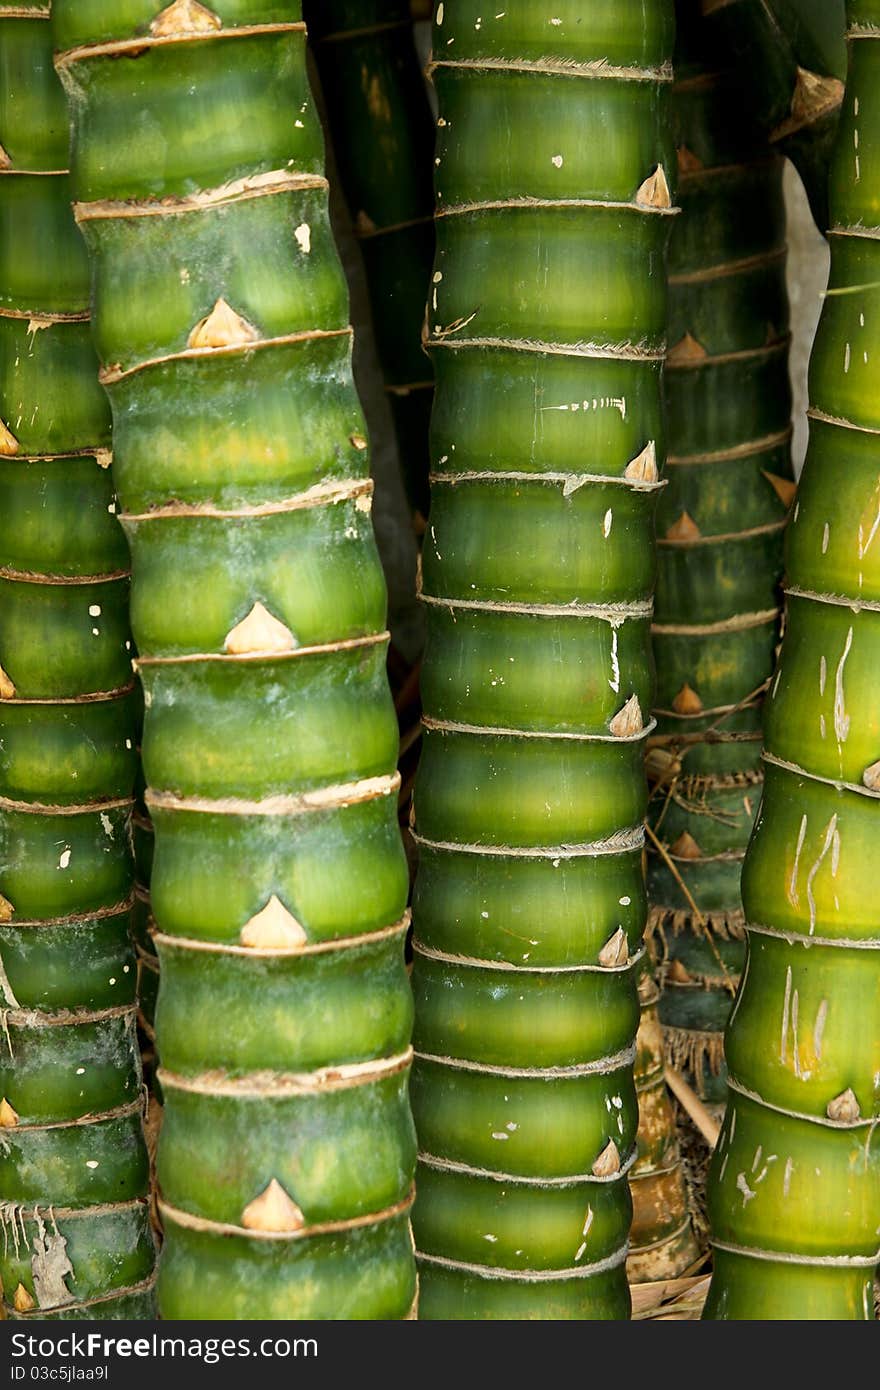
[[785, 488], [684, 529], [687, 701], [357, 441], [259, 633], [616, 949], [844, 1108], [608, 1161], [8, 1116], [654, 192], [814, 94], [5, 161], [643, 468], [273, 1210], [871, 777], [223, 327], [685, 351], [273, 928], [22, 1301], [678, 973], [628, 720], [686, 847], [7, 689], [184, 17], [661, 765], [7, 911], [9, 445]]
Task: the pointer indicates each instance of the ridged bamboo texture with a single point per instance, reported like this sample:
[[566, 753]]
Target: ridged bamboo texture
[[795, 1181], [720, 537], [790, 58], [546, 326], [279, 881], [382, 133], [76, 1239]]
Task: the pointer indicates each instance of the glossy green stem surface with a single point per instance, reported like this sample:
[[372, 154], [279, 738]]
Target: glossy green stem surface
[[795, 1181], [546, 325], [278, 879], [73, 1165]]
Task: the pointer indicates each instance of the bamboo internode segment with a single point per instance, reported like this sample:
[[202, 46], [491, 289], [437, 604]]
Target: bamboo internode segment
[[73, 1160], [381, 129], [546, 323], [279, 883], [795, 1185], [720, 534]]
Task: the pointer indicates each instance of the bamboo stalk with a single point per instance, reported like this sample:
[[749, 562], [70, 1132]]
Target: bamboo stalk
[[73, 1161], [279, 882], [795, 1180], [546, 327]]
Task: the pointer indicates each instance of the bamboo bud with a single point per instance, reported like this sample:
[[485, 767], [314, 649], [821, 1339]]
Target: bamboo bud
[[684, 529], [688, 162], [785, 488], [686, 351], [686, 847], [654, 192], [223, 327], [22, 1301], [661, 765], [679, 973], [608, 1161], [687, 701], [273, 1210], [628, 720], [259, 633], [8, 1116], [5, 161], [643, 468], [814, 93], [7, 689], [357, 441], [844, 1108], [7, 911], [184, 17], [8, 442], [616, 949], [871, 777], [273, 928]]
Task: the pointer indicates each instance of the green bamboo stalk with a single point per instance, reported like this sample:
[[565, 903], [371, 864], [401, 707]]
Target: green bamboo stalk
[[279, 881], [795, 1181], [720, 527], [790, 56], [73, 1164], [546, 326], [382, 132]]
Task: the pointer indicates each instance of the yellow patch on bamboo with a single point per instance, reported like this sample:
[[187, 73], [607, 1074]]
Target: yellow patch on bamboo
[[7, 911], [654, 192], [871, 777], [687, 701], [684, 529], [608, 1161], [357, 441], [678, 973], [688, 162], [259, 632], [844, 1108], [785, 488], [643, 468], [687, 350], [273, 1210], [616, 949], [7, 689], [103, 457], [273, 928], [628, 720], [222, 328], [686, 847], [184, 17], [22, 1301], [5, 161], [8, 1116], [9, 445]]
